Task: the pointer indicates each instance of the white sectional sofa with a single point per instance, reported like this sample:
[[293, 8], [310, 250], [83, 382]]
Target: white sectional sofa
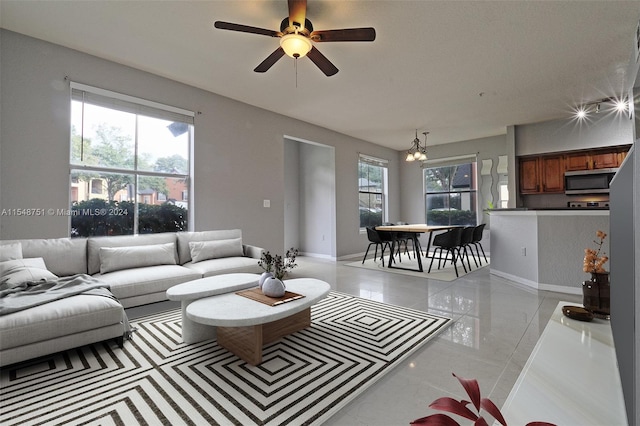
[[138, 270]]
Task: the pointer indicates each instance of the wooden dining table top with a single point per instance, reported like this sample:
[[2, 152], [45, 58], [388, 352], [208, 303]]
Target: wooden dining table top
[[417, 228]]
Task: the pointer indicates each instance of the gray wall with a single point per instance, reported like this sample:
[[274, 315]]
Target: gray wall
[[599, 130], [413, 208], [625, 278], [412, 189], [239, 149], [317, 200]]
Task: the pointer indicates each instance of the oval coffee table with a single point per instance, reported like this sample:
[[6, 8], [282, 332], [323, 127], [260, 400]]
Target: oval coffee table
[[244, 325], [187, 293]]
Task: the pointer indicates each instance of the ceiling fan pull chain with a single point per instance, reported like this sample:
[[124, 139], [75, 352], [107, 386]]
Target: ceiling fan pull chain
[[295, 65]]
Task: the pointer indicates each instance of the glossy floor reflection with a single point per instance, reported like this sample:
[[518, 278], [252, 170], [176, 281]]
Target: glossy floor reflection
[[496, 326]]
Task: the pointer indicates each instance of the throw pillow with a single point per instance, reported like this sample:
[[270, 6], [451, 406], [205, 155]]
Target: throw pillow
[[204, 250], [19, 271], [118, 258], [10, 251]]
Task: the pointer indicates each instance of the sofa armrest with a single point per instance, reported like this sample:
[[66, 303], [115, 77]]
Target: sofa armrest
[[252, 251]]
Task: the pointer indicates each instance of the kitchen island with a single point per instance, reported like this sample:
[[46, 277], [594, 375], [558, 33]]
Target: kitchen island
[[544, 249]]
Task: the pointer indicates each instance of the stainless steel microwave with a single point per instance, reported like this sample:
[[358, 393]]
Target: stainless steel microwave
[[588, 181]]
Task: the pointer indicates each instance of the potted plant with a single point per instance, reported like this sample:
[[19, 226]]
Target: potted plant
[[461, 408], [273, 286]]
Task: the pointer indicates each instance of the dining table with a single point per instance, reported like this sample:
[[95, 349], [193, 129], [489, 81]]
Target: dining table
[[415, 230]]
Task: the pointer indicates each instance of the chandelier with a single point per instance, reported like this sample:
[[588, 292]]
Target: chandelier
[[418, 152]]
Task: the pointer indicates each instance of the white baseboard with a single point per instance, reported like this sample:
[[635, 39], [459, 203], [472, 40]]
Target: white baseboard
[[536, 285], [317, 255]]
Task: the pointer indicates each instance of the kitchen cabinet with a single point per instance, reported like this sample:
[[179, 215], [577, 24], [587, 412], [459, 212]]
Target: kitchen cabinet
[[596, 159], [544, 174], [529, 176], [552, 173]]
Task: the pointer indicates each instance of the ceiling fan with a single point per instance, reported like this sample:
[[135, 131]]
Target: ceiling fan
[[296, 34]]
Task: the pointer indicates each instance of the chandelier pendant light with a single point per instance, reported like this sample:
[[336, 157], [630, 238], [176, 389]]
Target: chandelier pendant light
[[418, 152]]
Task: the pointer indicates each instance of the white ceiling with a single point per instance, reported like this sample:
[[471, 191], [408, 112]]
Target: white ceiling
[[459, 69]]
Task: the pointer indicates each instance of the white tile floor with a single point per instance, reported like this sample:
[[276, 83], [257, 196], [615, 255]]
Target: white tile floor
[[496, 326]]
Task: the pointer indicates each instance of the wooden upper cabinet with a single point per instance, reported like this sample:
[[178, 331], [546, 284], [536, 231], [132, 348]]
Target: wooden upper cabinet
[[552, 173], [610, 158], [605, 160], [577, 162], [529, 176], [543, 174]]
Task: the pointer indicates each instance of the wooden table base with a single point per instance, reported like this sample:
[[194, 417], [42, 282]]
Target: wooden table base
[[247, 342]]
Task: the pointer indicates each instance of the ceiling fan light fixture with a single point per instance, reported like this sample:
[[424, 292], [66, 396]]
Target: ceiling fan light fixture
[[295, 45]]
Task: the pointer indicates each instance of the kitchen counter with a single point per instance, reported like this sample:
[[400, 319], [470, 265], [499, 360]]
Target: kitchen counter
[[544, 249], [571, 377]]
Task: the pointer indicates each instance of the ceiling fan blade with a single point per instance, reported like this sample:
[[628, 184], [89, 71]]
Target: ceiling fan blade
[[322, 62], [349, 34], [246, 29], [271, 59], [297, 12]]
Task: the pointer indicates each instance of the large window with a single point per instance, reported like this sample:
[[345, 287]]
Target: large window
[[372, 190], [451, 194], [129, 164]]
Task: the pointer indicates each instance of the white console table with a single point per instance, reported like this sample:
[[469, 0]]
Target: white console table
[[571, 377]]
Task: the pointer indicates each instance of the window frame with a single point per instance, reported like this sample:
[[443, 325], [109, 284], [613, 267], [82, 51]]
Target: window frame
[[473, 190], [140, 108], [384, 165]]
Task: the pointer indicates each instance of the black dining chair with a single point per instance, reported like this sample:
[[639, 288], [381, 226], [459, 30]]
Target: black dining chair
[[378, 241], [465, 241], [477, 237], [401, 240], [449, 241]]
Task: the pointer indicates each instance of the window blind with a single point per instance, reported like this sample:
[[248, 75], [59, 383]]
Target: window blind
[[126, 103], [451, 161], [373, 161]]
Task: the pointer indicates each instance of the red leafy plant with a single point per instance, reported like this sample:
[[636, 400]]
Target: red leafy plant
[[460, 408]]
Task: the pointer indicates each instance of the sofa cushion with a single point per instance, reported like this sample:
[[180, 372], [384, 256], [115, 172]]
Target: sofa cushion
[[58, 318], [18, 271], [63, 256], [225, 265], [146, 280], [204, 250], [10, 251], [184, 251], [118, 258], [95, 243]]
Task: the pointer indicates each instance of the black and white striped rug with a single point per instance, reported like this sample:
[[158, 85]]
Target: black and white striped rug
[[156, 379]]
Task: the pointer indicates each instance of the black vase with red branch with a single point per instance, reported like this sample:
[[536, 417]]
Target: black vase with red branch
[[596, 291]]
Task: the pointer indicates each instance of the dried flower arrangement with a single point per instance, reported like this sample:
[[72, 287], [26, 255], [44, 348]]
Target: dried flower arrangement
[[593, 261], [277, 264]]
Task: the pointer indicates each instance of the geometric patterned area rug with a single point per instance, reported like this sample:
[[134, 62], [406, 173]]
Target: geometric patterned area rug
[[156, 379], [445, 273]]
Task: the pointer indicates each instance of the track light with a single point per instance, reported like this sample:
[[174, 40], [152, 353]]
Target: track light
[[620, 105]]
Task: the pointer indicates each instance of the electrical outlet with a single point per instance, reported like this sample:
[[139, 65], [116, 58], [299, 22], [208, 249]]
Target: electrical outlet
[[523, 251], [266, 203]]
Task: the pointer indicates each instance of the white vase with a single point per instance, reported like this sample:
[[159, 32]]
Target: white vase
[[273, 287], [263, 277]]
